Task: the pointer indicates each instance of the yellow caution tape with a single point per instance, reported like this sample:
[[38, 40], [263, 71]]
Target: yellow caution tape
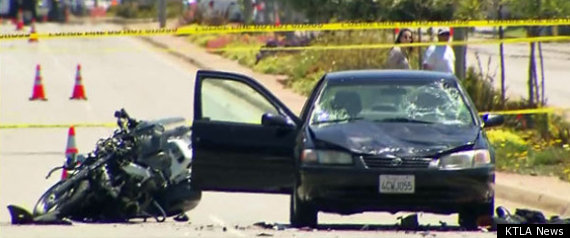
[[194, 29], [20, 126], [31, 125], [88, 34], [368, 26], [526, 111], [389, 45], [313, 47], [113, 124]]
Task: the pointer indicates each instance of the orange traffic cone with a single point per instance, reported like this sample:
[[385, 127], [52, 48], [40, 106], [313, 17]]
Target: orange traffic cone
[[78, 90], [70, 152], [20, 21], [33, 35], [38, 93]]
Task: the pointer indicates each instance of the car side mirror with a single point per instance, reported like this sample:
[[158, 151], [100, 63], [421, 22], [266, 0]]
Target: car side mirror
[[270, 119], [492, 120]]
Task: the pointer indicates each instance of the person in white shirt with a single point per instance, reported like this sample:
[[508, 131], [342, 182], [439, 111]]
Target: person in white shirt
[[441, 57]]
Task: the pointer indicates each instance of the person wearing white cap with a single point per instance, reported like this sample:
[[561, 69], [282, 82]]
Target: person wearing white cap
[[441, 57]]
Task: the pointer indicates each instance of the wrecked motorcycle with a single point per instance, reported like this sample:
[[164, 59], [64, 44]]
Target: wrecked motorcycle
[[142, 171]]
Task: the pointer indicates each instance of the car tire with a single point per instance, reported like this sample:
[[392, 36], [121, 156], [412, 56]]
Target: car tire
[[469, 215], [302, 213]]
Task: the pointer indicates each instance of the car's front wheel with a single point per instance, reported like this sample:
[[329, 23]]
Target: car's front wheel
[[302, 213], [470, 216]]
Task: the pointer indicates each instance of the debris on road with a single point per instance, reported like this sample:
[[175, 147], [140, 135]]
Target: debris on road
[[524, 216], [409, 222], [21, 216], [264, 234], [182, 217]]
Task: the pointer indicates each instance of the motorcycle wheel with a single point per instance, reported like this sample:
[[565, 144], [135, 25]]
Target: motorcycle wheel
[[52, 200]]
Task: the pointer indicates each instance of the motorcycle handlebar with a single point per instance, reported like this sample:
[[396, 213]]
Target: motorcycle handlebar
[[122, 115]]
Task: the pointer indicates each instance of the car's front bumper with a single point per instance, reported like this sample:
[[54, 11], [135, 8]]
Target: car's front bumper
[[347, 191]]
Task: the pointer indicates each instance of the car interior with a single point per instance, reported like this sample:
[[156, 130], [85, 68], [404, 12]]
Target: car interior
[[378, 103]]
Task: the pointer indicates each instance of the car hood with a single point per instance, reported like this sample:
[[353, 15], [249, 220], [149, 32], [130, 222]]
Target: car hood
[[397, 139]]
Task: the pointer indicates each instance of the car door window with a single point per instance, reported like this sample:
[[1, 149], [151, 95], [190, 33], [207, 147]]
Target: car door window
[[233, 101]]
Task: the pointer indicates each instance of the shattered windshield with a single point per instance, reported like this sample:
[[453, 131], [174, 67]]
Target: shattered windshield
[[428, 102]]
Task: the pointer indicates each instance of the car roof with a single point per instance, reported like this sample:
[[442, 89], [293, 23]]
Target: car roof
[[379, 74]]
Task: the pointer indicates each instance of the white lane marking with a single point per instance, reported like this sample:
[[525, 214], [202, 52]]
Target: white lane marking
[[222, 223]]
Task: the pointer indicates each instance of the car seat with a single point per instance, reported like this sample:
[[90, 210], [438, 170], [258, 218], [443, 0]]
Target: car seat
[[350, 101]]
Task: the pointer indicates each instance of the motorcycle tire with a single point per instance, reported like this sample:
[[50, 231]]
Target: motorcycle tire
[[50, 201]]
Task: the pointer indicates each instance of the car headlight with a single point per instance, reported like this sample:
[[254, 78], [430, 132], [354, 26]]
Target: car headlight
[[465, 159], [326, 157]]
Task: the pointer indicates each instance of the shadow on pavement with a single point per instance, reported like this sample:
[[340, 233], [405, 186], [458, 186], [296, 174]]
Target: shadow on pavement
[[364, 227]]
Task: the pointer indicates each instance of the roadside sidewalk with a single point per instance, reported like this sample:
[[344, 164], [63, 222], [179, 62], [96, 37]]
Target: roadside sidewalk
[[548, 193]]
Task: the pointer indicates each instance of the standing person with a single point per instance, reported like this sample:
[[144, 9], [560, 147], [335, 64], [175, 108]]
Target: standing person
[[441, 57], [399, 58]]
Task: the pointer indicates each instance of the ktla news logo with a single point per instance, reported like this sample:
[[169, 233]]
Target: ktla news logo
[[533, 230]]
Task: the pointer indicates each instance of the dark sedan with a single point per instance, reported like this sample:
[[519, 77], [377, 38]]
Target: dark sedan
[[368, 140]]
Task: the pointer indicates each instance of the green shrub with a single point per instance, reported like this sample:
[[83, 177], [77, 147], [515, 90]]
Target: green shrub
[[510, 148], [243, 57], [312, 64], [306, 84], [276, 64], [549, 156]]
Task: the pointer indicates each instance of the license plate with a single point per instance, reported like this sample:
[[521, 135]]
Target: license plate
[[397, 184]]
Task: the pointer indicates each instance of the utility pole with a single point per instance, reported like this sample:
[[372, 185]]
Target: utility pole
[[162, 13], [460, 34], [248, 8], [502, 56]]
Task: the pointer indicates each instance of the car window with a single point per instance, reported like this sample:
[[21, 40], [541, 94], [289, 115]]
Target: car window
[[428, 102], [233, 101]]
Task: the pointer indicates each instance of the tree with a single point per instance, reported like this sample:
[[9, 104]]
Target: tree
[[466, 10], [536, 9]]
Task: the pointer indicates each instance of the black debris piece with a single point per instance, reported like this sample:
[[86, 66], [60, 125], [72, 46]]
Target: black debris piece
[[21, 216], [264, 234], [524, 216], [409, 222], [182, 217]]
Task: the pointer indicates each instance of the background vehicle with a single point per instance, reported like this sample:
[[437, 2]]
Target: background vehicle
[[219, 11], [365, 141], [142, 171]]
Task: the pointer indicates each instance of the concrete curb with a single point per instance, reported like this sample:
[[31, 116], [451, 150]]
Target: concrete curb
[[535, 199], [502, 191], [172, 52]]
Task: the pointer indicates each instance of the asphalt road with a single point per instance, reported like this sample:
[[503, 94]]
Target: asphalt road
[[149, 84]]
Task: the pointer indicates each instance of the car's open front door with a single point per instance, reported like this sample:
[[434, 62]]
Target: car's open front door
[[243, 137]]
